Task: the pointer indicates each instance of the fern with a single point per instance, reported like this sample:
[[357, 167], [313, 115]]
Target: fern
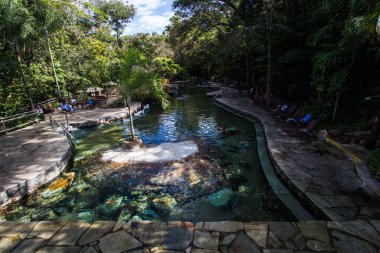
[[320, 35], [338, 78], [325, 60]]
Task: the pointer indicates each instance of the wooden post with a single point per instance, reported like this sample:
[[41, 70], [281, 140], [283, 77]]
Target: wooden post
[[4, 128], [67, 120], [51, 122], [37, 118]]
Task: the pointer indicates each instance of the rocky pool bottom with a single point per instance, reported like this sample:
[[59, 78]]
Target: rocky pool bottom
[[222, 181]]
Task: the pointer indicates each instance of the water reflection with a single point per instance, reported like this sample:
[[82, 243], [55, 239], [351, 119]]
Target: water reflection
[[223, 181]]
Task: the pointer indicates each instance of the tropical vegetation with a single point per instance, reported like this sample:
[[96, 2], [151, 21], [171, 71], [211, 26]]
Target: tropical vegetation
[[137, 80], [322, 55], [58, 49], [325, 54]]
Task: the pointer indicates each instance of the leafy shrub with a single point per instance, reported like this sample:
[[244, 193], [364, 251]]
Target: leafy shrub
[[373, 163]]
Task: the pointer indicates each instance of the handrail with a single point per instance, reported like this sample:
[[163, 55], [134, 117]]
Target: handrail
[[41, 103], [4, 129], [47, 101], [19, 115], [63, 127]]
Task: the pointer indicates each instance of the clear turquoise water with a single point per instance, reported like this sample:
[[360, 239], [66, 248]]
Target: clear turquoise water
[[224, 181]]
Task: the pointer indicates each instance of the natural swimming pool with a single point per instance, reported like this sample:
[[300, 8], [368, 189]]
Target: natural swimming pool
[[223, 181]]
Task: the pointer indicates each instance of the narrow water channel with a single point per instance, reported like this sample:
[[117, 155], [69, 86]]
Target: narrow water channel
[[223, 181]]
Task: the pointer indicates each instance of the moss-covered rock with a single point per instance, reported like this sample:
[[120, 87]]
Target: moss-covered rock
[[87, 196], [164, 203], [43, 214], [221, 198], [88, 216], [243, 189], [125, 215], [150, 214], [111, 206], [136, 218], [234, 172], [59, 185]]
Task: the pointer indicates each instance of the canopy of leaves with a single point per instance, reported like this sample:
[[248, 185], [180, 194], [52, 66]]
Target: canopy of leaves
[[137, 80], [319, 48]]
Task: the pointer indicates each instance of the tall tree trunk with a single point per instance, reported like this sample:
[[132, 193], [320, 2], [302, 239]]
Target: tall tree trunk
[[52, 62], [335, 107], [247, 72], [269, 20], [131, 119], [375, 131], [25, 84], [118, 39]]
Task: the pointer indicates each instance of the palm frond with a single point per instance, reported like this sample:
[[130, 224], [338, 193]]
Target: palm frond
[[136, 79]]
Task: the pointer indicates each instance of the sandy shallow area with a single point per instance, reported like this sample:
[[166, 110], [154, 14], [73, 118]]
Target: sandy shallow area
[[162, 153]]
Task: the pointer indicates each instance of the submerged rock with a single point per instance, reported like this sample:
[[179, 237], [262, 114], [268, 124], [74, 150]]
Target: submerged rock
[[111, 206], [88, 196], [232, 130], [124, 215], [68, 217], [54, 198], [59, 185], [68, 201], [136, 218], [151, 214], [233, 172], [88, 216], [243, 189], [222, 197], [164, 203], [138, 206], [43, 214], [61, 210]]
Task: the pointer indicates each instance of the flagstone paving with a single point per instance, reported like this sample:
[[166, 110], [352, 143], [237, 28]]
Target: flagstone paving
[[324, 178], [321, 176], [167, 237], [35, 155]]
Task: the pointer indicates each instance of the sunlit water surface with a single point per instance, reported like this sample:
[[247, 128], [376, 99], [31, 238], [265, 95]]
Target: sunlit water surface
[[224, 181]]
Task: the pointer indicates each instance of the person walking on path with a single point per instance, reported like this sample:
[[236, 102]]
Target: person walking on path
[[252, 93]]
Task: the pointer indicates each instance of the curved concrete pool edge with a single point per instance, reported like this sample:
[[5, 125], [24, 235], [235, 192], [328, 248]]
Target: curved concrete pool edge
[[294, 206], [35, 155], [337, 203], [28, 186]]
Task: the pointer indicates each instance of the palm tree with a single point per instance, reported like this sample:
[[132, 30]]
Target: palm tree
[[16, 29], [137, 80]]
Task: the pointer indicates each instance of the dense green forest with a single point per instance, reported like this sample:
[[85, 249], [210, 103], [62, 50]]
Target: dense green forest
[[323, 55], [51, 48], [311, 52]]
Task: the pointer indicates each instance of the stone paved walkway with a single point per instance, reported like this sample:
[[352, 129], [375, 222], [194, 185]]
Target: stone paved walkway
[[322, 176], [35, 155], [204, 237]]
